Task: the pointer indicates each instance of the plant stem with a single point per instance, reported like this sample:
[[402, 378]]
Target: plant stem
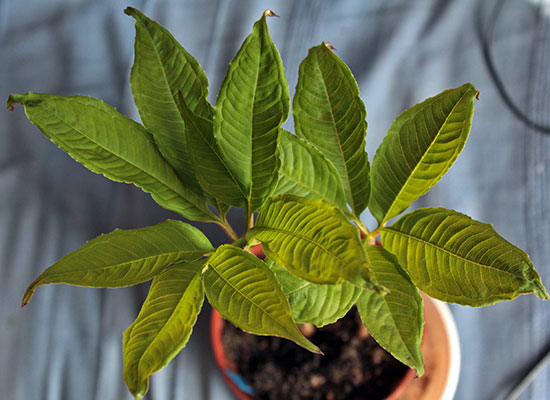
[[248, 217], [224, 224]]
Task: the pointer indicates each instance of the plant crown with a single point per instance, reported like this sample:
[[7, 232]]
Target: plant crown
[[307, 190]]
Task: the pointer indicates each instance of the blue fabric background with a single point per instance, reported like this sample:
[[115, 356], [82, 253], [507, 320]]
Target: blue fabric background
[[67, 343]]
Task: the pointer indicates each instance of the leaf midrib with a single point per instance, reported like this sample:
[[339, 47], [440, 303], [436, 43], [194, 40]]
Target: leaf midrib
[[251, 143], [427, 150], [164, 75], [348, 181], [125, 263], [388, 308], [280, 230], [290, 333], [172, 313], [127, 161], [437, 247]]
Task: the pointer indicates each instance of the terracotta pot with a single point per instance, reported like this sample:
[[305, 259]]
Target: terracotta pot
[[440, 348]]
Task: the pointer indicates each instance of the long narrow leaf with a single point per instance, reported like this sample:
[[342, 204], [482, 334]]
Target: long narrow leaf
[[126, 257], [329, 113], [421, 145], [245, 292], [162, 68], [252, 104], [395, 321], [108, 143], [454, 258], [163, 325]]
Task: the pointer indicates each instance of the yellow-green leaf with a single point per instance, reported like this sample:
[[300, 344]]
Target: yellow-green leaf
[[396, 320], [252, 103], [108, 143], [329, 113], [306, 172], [420, 147], [454, 258], [163, 325], [162, 68], [313, 303], [126, 257], [313, 240], [245, 292]]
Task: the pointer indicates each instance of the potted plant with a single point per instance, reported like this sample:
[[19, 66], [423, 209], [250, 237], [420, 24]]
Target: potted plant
[[302, 197]]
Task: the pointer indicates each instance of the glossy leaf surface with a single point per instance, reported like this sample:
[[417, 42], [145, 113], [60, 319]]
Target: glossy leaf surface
[[312, 303], [126, 257], [420, 147], [396, 320], [456, 259], [162, 68], [306, 172], [329, 113], [245, 292], [252, 103], [313, 240], [163, 325], [106, 142], [211, 169]]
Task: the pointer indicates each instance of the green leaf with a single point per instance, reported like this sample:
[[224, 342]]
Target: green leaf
[[396, 320], [312, 303], [329, 113], [306, 172], [252, 104], [126, 257], [420, 147], [313, 240], [108, 143], [245, 292], [161, 68], [212, 171], [163, 325], [454, 258]]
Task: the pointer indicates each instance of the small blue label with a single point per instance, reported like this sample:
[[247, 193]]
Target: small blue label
[[240, 382]]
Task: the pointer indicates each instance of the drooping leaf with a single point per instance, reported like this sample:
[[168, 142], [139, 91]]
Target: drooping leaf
[[126, 257], [306, 172], [312, 303], [420, 147], [252, 104], [163, 325], [162, 68], [396, 320], [313, 240], [245, 292], [108, 143], [212, 170], [454, 258], [329, 113]]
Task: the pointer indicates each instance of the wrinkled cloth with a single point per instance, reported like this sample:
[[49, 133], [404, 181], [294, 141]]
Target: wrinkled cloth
[[66, 344]]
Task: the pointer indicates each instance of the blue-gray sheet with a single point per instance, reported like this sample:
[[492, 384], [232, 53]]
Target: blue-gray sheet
[[67, 343]]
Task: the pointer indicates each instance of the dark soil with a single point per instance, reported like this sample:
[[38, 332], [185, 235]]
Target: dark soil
[[354, 365]]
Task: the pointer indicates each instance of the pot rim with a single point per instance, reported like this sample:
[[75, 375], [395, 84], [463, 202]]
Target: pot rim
[[454, 349]]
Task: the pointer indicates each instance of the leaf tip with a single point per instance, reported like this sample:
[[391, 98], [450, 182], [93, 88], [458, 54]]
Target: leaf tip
[[477, 94], [270, 13], [329, 46], [27, 297], [131, 11], [12, 100]]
